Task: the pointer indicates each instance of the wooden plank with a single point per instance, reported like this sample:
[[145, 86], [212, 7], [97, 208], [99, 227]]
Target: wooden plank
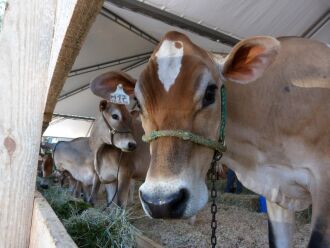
[[46, 224], [144, 242], [63, 57], [25, 45], [27, 48]]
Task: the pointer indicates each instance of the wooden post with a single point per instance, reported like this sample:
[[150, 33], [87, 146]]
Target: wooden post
[[32, 45], [67, 47]]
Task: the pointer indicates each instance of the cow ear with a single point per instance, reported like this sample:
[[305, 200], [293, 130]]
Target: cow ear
[[103, 105], [107, 83], [249, 59]]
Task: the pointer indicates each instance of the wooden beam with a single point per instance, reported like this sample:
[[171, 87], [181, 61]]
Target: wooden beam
[[144, 242], [35, 40], [63, 57], [47, 231]]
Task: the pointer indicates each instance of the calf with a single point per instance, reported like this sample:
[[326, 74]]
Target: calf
[[113, 127], [277, 135], [115, 168]]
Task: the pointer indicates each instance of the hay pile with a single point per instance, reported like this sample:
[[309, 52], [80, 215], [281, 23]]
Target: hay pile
[[88, 226], [96, 228]]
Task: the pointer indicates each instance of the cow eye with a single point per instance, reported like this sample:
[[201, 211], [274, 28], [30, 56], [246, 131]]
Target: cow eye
[[115, 117], [209, 96]]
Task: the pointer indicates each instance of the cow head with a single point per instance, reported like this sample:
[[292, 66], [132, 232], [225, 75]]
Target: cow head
[[179, 90], [114, 124], [47, 170]]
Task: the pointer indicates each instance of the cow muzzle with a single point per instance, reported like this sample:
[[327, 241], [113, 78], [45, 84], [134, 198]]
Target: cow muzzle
[[165, 206]]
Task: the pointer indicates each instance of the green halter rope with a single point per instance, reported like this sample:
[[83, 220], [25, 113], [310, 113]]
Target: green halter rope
[[195, 138]]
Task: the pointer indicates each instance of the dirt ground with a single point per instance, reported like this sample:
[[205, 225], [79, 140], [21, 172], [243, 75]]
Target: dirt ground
[[239, 224], [237, 227]]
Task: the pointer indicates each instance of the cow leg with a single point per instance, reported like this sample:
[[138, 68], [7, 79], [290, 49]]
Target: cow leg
[[86, 189], [62, 178], [281, 225], [77, 189], [95, 189], [131, 191], [124, 180], [320, 236], [111, 189]]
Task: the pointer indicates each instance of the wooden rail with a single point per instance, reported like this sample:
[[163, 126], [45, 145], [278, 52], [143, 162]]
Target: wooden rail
[[47, 225], [47, 230], [144, 242]]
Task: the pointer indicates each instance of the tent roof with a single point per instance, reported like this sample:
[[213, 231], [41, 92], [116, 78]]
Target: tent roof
[[119, 35]]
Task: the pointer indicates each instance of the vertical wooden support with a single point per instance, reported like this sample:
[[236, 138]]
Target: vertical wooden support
[[63, 56], [32, 45]]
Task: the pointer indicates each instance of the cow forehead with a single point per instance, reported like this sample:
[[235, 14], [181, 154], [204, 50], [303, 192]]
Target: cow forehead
[[169, 60], [118, 109], [175, 74]]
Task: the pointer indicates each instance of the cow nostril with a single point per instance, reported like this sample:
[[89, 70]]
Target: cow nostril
[[171, 206], [131, 146], [180, 198]]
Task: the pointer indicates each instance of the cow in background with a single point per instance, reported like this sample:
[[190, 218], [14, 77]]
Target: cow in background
[[118, 170], [112, 127], [45, 168]]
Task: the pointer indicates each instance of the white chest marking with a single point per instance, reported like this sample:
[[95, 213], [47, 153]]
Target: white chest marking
[[169, 57]]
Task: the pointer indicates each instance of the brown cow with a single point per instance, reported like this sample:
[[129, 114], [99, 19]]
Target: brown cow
[[277, 135], [115, 168], [113, 127], [46, 168]]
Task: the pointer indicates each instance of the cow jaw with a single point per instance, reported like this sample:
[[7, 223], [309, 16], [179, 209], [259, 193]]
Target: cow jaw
[[124, 142]]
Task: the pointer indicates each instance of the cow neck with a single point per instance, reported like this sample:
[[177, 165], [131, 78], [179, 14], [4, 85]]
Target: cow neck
[[95, 139]]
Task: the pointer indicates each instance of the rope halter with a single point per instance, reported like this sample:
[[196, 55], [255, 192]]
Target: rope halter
[[112, 130], [185, 135]]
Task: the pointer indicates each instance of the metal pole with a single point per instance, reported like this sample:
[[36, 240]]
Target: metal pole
[[174, 20]]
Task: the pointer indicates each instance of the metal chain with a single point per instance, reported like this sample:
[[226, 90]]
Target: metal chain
[[214, 209], [216, 157]]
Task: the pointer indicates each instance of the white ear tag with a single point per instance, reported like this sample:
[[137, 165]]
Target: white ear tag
[[119, 96]]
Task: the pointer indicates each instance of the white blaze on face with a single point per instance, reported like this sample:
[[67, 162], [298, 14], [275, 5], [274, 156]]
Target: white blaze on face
[[169, 58]]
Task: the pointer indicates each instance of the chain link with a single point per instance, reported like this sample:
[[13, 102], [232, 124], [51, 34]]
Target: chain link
[[214, 209]]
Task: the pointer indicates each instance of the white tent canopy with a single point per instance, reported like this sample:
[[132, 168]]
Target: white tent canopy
[[122, 39]]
